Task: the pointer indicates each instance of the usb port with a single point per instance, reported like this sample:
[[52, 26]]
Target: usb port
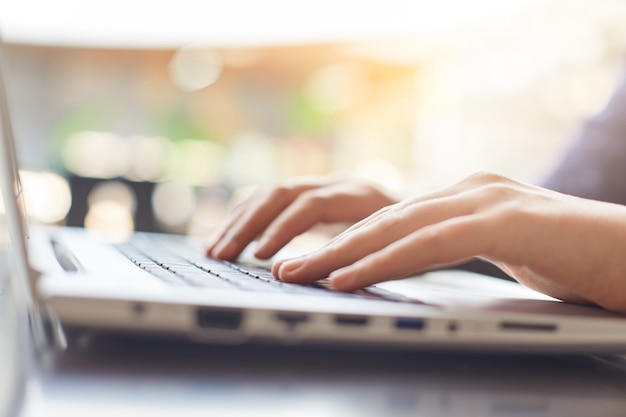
[[219, 319], [409, 323], [351, 320]]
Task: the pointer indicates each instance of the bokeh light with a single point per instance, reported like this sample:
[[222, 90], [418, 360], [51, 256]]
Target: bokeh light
[[113, 191], [252, 159], [110, 221], [339, 86], [111, 207], [210, 210], [151, 157], [195, 67], [173, 203], [96, 154], [47, 196], [199, 162]]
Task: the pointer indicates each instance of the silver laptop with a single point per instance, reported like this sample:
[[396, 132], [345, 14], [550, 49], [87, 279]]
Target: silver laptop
[[161, 284]]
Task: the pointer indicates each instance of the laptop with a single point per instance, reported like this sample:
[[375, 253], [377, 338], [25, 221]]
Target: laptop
[[163, 285], [14, 330]]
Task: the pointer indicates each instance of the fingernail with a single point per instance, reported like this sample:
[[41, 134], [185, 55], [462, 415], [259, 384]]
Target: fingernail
[[276, 267], [288, 269], [340, 280], [210, 250]]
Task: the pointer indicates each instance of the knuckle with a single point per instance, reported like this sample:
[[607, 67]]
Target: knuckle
[[500, 190], [393, 220], [334, 254], [434, 238], [312, 198], [499, 195], [390, 221], [278, 195], [279, 192], [486, 177]]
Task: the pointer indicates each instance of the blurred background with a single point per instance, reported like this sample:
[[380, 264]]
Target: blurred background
[[141, 115]]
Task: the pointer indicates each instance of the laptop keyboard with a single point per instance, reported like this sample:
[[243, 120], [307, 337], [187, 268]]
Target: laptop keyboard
[[185, 267]]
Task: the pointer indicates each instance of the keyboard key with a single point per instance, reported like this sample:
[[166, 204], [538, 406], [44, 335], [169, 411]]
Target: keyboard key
[[188, 267]]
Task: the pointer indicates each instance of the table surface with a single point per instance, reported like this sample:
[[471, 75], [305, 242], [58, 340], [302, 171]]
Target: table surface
[[125, 376]]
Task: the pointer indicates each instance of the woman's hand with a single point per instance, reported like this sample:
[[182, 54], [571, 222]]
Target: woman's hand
[[567, 247], [280, 214]]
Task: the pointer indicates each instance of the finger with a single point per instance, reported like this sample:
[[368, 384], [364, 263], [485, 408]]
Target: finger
[[219, 234], [394, 225], [458, 190], [329, 204], [257, 215], [374, 217], [306, 211], [450, 242], [252, 203]]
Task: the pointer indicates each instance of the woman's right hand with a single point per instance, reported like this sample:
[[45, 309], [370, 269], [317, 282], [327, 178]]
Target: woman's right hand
[[277, 215]]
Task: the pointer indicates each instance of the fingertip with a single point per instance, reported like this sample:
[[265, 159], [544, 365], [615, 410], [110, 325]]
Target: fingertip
[[343, 280], [276, 266], [287, 270], [225, 251], [265, 250], [209, 246], [262, 256], [210, 250]]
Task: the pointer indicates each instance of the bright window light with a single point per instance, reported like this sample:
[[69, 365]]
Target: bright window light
[[158, 23]]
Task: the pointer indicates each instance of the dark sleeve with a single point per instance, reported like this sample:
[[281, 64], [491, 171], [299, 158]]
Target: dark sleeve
[[594, 166]]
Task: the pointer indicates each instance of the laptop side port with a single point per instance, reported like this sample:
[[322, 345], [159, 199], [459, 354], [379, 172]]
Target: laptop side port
[[219, 319], [407, 323], [528, 327], [292, 319], [351, 320]]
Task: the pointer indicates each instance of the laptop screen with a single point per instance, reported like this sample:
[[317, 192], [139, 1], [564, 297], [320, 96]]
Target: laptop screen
[[12, 193], [14, 288]]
